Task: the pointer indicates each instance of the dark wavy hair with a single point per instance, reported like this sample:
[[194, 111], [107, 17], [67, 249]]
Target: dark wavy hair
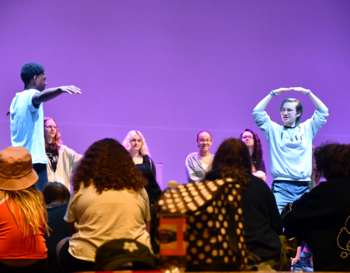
[[29, 70], [108, 166], [233, 159], [257, 151], [55, 195], [333, 160]]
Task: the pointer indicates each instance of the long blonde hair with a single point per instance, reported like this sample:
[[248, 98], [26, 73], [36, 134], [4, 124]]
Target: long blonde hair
[[126, 143], [32, 210]]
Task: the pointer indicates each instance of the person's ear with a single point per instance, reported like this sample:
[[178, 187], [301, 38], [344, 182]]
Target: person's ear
[[298, 114]]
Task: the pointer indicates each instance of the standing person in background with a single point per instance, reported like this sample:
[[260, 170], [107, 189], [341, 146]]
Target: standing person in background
[[253, 143], [290, 144], [56, 197], [152, 188], [23, 217], [61, 160], [135, 143], [198, 163], [27, 115]]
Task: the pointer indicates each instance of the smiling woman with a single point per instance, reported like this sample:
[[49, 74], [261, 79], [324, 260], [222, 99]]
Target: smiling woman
[[198, 163]]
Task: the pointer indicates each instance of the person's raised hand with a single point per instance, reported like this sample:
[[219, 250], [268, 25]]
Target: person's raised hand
[[281, 90], [70, 89], [302, 90]]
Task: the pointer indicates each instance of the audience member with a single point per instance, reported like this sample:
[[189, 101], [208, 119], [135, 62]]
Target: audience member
[[321, 217], [135, 143], [261, 219], [253, 143], [61, 160], [56, 197], [109, 202], [23, 217], [198, 163]]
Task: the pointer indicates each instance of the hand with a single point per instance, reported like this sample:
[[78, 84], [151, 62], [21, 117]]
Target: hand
[[281, 90], [300, 89], [70, 89]]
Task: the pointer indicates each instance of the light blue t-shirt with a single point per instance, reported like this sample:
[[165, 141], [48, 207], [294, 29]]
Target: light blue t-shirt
[[27, 125]]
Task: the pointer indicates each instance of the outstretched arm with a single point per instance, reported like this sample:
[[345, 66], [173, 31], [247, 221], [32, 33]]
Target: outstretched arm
[[51, 93], [318, 103], [265, 101]]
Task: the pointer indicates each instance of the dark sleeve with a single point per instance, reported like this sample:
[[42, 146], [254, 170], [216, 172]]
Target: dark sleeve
[[310, 210], [149, 162], [261, 166], [153, 191]]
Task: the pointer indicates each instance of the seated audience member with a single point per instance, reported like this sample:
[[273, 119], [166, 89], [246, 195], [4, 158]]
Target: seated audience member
[[261, 219], [56, 197], [197, 164], [321, 217], [23, 218], [253, 143], [109, 202], [152, 188], [62, 160]]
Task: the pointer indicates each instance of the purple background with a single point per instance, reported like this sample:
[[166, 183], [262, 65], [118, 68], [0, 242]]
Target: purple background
[[173, 68]]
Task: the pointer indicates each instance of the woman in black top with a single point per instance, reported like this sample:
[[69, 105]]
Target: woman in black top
[[253, 143], [135, 143]]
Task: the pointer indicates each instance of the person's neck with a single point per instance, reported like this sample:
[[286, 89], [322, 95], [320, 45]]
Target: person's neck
[[29, 86], [251, 150], [49, 141], [135, 154], [289, 125], [204, 153]]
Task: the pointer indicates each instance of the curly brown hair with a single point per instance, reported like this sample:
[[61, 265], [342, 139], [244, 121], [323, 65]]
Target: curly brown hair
[[233, 159], [333, 160], [108, 166]]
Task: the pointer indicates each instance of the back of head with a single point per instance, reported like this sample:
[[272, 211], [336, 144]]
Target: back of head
[[233, 159], [17, 179], [333, 160], [29, 70], [55, 194], [108, 166]]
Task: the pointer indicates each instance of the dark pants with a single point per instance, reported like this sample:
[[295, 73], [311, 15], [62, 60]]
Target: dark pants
[[42, 173], [38, 267], [70, 263]]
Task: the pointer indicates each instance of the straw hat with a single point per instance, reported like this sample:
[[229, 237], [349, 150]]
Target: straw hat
[[16, 169]]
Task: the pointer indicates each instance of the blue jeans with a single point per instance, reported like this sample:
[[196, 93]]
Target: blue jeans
[[288, 191]]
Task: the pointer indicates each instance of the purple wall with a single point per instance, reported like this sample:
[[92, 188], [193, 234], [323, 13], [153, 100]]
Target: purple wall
[[173, 68]]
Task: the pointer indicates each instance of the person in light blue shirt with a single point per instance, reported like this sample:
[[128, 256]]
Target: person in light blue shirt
[[290, 144], [27, 116]]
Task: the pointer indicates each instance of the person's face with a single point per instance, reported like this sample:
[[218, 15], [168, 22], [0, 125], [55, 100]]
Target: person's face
[[40, 81], [248, 139], [204, 142], [289, 114], [50, 130], [136, 143]]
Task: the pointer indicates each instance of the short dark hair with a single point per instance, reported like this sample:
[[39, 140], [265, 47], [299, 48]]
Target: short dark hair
[[29, 70], [55, 195], [333, 160]]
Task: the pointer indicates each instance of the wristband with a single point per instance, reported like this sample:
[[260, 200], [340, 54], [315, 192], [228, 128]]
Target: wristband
[[272, 94], [308, 93]]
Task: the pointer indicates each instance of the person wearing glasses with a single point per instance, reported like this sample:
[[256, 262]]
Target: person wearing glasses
[[62, 161], [290, 143], [253, 143], [198, 163]]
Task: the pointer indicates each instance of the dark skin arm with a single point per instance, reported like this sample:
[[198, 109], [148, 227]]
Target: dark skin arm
[[51, 93]]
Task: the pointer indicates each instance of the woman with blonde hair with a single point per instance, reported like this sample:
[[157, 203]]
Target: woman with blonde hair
[[109, 202], [135, 143], [23, 214], [61, 160]]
